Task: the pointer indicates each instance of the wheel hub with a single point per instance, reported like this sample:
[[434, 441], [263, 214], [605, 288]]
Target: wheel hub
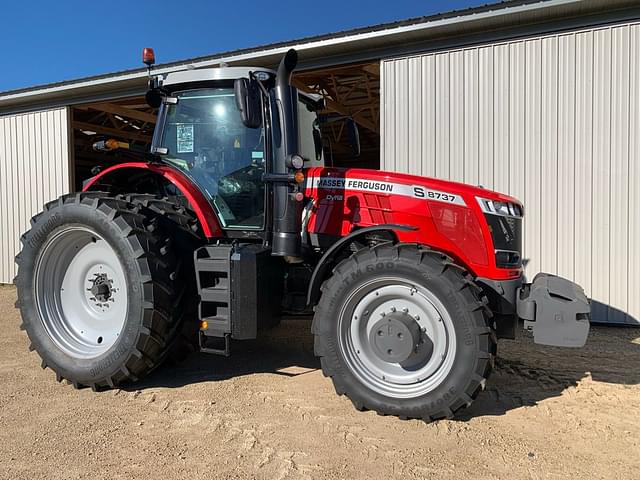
[[101, 293], [395, 337], [101, 288]]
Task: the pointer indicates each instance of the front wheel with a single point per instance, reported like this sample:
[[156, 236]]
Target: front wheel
[[404, 331]]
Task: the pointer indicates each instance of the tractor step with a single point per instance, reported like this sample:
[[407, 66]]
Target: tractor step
[[238, 286], [215, 345], [213, 277]]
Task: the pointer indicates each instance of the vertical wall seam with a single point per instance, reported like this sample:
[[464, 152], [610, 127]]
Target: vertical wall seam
[[493, 117], [3, 207], [449, 82], [591, 232], [411, 132], [395, 123], [609, 312], [435, 117], [508, 113], [575, 134], [524, 163], [477, 60], [540, 143], [557, 155], [422, 119], [628, 169], [383, 115], [464, 117]]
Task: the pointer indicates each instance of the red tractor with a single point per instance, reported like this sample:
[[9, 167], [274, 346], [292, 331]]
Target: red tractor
[[232, 219]]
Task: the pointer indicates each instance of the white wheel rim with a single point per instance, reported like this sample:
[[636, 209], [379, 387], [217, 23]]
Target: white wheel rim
[[81, 292], [421, 373]]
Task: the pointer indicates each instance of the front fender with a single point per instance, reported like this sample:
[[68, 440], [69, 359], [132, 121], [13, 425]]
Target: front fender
[[319, 273]]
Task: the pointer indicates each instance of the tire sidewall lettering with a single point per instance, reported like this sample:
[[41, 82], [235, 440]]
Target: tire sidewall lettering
[[38, 236], [379, 267]]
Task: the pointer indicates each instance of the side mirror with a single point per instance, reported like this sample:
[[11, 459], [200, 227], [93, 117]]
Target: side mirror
[[317, 141], [353, 135], [153, 98], [248, 101]]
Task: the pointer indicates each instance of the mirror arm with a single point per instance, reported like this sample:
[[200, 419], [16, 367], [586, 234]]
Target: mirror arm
[[264, 91]]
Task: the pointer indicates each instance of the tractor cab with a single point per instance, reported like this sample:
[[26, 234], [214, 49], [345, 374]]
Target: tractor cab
[[224, 128]]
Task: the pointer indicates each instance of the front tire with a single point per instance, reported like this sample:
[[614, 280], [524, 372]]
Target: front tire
[[404, 331], [96, 290]]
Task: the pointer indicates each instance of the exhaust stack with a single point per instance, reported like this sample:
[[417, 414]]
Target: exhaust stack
[[287, 211]]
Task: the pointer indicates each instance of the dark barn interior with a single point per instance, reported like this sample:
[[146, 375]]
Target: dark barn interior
[[350, 93]]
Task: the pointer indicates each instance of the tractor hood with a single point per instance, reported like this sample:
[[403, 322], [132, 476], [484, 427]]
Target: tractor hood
[[472, 224]]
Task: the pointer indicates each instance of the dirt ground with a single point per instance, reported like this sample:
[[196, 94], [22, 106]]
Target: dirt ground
[[267, 412]]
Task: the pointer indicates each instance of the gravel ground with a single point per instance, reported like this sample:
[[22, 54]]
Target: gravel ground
[[267, 412]]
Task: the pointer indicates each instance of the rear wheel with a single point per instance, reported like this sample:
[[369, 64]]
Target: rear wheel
[[183, 228], [97, 290], [404, 331]]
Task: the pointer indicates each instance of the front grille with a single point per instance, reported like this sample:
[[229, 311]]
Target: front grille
[[506, 232]]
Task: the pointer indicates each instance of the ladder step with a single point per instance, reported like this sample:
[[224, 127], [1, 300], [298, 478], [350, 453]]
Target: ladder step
[[223, 344], [213, 265], [217, 295], [213, 275], [218, 325]]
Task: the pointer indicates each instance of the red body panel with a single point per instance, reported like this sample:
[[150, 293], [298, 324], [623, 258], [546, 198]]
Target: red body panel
[[201, 206], [447, 214]]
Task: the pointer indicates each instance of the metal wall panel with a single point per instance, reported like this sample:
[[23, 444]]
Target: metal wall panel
[[34, 168], [633, 289], [552, 120]]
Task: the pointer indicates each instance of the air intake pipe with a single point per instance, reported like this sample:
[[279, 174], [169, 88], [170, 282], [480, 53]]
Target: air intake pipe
[[287, 211]]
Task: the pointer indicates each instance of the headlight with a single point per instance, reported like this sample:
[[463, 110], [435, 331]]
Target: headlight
[[496, 207], [295, 161]]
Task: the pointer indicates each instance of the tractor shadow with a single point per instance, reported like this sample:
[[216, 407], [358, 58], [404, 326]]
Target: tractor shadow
[[524, 375], [286, 350]]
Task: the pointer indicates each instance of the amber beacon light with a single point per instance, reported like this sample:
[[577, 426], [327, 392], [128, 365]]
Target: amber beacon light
[[148, 56]]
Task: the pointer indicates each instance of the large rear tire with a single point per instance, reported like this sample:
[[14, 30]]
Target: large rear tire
[[182, 226], [97, 290], [404, 331]]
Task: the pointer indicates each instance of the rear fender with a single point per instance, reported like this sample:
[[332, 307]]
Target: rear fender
[[199, 203]]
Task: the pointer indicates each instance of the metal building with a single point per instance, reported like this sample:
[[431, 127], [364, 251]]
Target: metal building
[[538, 99], [552, 120]]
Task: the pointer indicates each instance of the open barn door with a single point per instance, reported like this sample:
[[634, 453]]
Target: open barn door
[[128, 120], [351, 94]]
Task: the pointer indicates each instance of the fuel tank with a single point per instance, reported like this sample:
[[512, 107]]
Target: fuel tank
[[452, 217]]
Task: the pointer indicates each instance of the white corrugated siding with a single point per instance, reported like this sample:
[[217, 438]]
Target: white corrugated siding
[[552, 120], [34, 168]]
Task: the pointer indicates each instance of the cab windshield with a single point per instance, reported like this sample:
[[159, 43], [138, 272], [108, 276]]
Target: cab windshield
[[206, 139]]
